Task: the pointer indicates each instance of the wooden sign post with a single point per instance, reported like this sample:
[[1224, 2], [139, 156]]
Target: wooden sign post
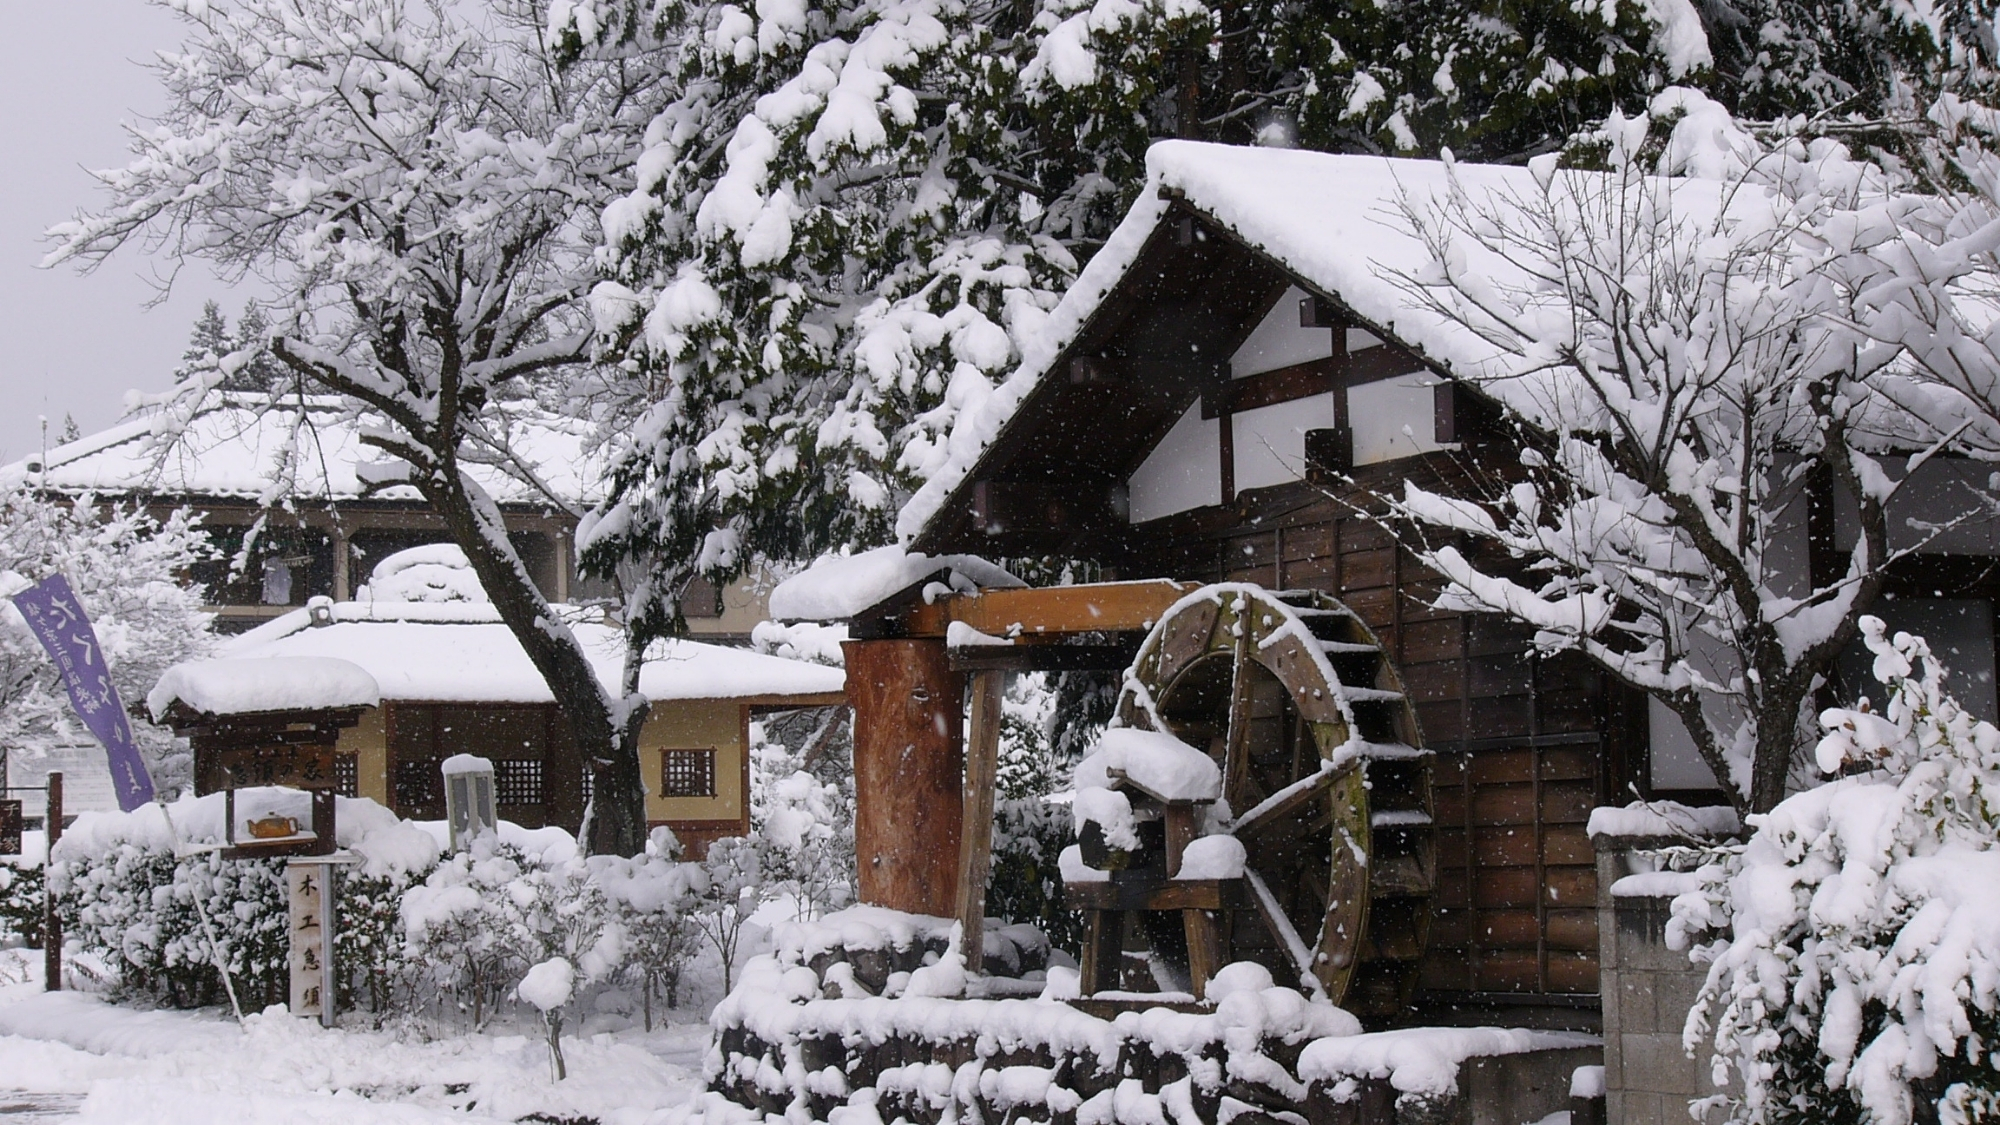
[[51, 922], [310, 895]]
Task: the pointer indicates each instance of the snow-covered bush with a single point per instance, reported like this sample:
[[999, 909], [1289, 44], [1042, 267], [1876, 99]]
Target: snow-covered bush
[[486, 916], [21, 902], [1855, 953], [1029, 831], [652, 899], [139, 909], [802, 821], [467, 929], [128, 896]]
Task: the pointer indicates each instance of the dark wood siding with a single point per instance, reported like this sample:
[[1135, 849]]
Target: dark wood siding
[[1526, 745]]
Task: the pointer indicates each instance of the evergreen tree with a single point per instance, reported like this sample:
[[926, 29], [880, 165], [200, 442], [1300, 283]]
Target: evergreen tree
[[207, 343], [854, 215], [260, 371]]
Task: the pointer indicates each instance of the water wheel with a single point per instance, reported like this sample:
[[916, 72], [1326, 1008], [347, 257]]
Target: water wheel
[[1323, 781]]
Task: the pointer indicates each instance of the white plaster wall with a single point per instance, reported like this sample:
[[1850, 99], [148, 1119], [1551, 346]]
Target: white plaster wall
[[1278, 341], [1184, 471], [1271, 440], [1393, 418]]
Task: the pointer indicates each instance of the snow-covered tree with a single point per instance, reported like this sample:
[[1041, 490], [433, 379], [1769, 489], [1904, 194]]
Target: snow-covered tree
[[1678, 359], [419, 184], [125, 567], [852, 215], [1855, 955]]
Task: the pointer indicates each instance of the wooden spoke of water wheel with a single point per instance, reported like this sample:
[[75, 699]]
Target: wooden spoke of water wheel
[[1324, 782]]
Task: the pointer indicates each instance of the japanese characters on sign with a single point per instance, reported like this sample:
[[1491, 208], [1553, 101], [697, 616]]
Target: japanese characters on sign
[[10, 828], [305, 884], [297, 767], [57, 619]]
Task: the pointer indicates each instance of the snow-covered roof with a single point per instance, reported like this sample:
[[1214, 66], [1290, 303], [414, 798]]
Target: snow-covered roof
[[245, 687], [460, 652], [244, 445], [1332, 221]]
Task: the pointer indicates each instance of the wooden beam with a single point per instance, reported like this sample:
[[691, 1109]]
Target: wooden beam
[[1157, 894], [1043, 657], [975, 855], [1270, 388], [1099, 607]]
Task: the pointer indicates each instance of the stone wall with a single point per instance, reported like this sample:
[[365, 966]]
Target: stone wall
[[1648, 990]]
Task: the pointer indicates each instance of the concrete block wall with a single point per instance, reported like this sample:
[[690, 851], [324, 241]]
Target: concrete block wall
[[1647, 992]]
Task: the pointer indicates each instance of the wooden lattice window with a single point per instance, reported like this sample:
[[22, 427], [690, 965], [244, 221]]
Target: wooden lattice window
[[418, 786], [687, 773], [517, 781], [347, 775]]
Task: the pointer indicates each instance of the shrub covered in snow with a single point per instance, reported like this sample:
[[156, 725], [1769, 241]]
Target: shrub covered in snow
[[132, 891], [1855, 971], [21, 902]]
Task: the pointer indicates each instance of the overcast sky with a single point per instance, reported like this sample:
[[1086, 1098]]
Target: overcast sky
[[71, 73]]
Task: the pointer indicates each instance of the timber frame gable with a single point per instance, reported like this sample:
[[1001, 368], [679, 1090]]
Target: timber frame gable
[[1052, 480]]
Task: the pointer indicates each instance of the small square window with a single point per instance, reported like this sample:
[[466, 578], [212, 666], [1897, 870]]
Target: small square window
[[687, 773], [517, 781]]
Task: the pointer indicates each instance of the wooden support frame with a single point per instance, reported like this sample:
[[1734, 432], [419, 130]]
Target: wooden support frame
[[975, 854]]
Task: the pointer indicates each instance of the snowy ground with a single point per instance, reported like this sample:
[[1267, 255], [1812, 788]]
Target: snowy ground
[[69, 1056]]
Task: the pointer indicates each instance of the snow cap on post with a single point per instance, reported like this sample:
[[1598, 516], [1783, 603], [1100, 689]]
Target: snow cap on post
[[1161, 765], [549, 984], [838, 587]]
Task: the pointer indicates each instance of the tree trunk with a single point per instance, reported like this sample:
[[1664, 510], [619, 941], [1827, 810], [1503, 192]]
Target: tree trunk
[[608, 748]]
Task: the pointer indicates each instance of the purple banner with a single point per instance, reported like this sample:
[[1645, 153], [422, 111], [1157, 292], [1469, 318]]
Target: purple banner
[[58, 620]]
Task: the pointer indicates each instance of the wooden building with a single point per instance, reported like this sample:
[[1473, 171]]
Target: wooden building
[[289, 469], [1224, 390], [452, 680]]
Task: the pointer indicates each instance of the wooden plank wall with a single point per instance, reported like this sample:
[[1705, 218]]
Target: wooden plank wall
[[1521, 745]]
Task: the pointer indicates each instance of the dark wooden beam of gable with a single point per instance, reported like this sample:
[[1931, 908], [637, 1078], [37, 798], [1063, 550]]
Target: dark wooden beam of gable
[[1286, 384]]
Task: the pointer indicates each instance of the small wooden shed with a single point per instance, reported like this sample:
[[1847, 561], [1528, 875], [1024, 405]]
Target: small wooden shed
[[453, 680]]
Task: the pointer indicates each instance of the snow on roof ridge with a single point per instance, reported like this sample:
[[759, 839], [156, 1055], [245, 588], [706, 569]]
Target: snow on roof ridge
[[1318, 215], [415, 654], [234, 444]]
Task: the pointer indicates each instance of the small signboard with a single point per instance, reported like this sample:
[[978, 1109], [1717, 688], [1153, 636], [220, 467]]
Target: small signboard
[[10, 828], [297, 767], [306, 887]]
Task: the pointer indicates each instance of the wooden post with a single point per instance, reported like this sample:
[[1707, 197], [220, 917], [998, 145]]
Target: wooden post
[[1103, 951], [975, 854], [52, 937], [908, 773]]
